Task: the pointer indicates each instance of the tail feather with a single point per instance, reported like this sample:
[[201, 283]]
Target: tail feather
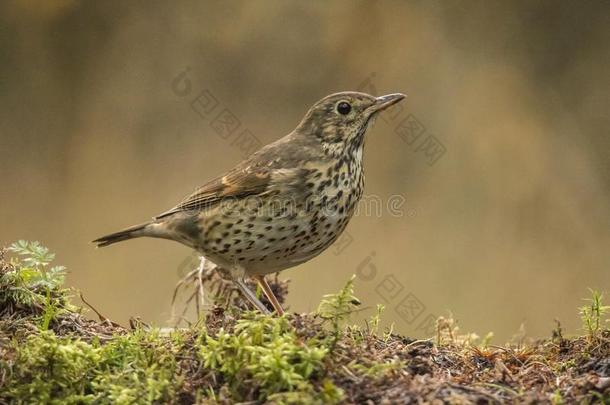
[[129, 233]]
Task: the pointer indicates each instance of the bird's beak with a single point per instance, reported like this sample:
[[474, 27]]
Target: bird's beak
[[384, 102]]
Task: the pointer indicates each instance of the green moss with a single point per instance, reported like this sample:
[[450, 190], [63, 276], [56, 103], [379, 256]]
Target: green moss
[[47, 369], [260, 353], [50, 353], [134, 368], [257, 353], [266, 353]]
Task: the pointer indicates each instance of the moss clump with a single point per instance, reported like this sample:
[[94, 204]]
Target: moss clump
[[135, 368], [263, 349], [50, 353]]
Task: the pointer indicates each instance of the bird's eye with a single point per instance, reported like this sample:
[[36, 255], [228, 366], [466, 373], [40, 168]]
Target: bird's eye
[[344, 108]]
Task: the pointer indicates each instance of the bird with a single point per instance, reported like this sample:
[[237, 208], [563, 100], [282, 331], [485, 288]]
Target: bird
[[284, 204]]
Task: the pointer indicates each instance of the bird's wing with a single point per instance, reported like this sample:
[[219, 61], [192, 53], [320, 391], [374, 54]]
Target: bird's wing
[[239, 182]]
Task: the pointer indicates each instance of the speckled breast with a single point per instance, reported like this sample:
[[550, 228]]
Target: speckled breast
[[283, 229]]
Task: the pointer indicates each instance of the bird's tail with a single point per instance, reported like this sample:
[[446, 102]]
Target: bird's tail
[[129, 233]]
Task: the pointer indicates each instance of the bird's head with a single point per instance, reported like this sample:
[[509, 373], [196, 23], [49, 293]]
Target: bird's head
[[339, 121]]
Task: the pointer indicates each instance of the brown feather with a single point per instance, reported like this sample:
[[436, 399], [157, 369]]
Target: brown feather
[[239, 182]]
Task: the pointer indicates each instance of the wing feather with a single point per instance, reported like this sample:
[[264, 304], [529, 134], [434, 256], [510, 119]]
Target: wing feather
[[240, 182]]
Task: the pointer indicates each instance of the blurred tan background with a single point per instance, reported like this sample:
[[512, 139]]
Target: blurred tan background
[[509, 226]]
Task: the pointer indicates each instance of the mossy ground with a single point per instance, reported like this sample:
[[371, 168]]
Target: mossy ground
[[51, 353]]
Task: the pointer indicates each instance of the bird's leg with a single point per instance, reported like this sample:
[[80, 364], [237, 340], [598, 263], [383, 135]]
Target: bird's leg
[[251, 296], [269, 293]]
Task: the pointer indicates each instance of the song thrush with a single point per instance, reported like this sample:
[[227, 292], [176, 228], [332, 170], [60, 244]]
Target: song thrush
[[283, 205]]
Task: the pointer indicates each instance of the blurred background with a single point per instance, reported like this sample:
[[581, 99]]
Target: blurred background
[[501, 151]]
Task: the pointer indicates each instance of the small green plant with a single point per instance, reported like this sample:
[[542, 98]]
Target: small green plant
[[28, 282], [336, 308], [593, 315], [376, 318], [50, 312], [34, 259]]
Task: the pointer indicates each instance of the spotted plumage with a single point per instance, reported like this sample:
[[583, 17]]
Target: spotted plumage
[[283, 205]]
